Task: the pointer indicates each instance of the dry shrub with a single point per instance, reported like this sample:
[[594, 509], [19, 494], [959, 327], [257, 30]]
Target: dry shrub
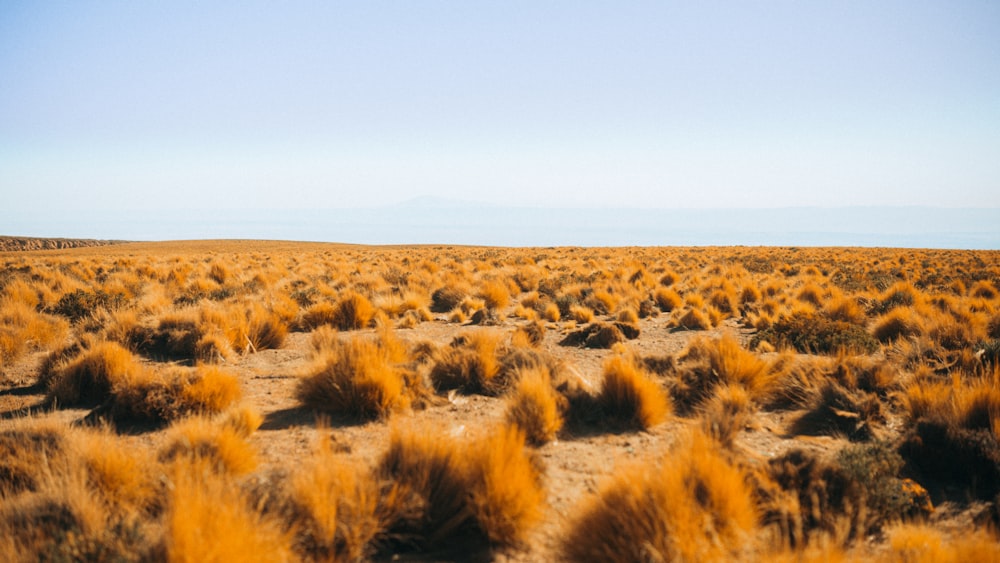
[[90, 377], [838, 411], [727, 413], [27, 452], [332, 507], [533, 407], [581, 313], [815, 334], [172, 394], [446, 298], [495, 294], [551, 312], [814, 500], [125, 478], [352, 311], [845, 309], [23, 329], [426, 484], [707, 363], [357, 379], [208, 519], [630, 396], [471, 364], [921, 543], [694, 506], [901, 294], [262, 329], [506, 495], [202, 443], [438, 491], [65, 521], [667, 299], [984, 289], [898, 323], [695, 319]]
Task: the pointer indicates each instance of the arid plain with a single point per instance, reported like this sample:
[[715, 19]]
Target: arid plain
[[275, 401]]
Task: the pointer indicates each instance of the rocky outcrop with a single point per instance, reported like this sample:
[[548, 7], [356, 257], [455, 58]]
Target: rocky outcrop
[[16, 244]]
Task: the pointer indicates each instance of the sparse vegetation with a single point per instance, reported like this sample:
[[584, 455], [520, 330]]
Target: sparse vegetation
[[297, 401]]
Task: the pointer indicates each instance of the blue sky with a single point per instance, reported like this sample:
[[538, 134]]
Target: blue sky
[[285, 105]]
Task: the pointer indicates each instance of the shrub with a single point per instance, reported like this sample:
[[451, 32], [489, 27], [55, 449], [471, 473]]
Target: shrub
[[353, 311], [694, 506], [199, 443], [332, 508], [123, 477], [506, 493], [726, 413], [89, 378], [707, 363], [174, 394], [695, 319], [426, 483], [27, 453], [495, 294], [814, 334], [356, 379], [899, 323], [80, 303], [876, 467], [446, 298], [207, 519], [533, 406], [471, 365], [630, 396]]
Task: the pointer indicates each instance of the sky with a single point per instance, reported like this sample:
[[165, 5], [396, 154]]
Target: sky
[[143, 106]]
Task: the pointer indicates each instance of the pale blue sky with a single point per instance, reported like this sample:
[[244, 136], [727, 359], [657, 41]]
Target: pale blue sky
[[203, 105]]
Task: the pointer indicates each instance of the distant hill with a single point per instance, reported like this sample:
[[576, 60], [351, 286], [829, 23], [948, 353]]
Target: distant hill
[[427, 220], [16, 244]]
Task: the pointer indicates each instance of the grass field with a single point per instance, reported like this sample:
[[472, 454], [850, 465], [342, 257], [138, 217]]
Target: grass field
[[279, 401]]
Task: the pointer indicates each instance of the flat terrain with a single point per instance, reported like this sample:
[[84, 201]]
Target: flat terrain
[[678, 301]]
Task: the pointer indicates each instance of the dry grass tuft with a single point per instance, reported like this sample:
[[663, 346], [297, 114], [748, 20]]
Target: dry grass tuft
[[630, 396], [426, 486], [534, 407], [506, 495], [208, 519], [27, 452], [89, 378], [357, 379], [471, 364], [332, 507], [206, 444], [694, 506]]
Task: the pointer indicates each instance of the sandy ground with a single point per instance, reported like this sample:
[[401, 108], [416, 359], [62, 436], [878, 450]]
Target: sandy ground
[[575, 465]]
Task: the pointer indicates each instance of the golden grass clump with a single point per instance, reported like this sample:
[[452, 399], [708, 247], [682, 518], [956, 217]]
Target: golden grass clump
[[507, 493], [471, 364], [173, 393], [332, 508], [900, 322], [207, 444], [533, 407], [90, 377], [495, 294], [125, 477], [208, 519], [630, 396], [695, 319], [726, 413], [28, 452], [23, 329], [357, 379], [693, 506], [921, 543], [438, 490], [426, 487]]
